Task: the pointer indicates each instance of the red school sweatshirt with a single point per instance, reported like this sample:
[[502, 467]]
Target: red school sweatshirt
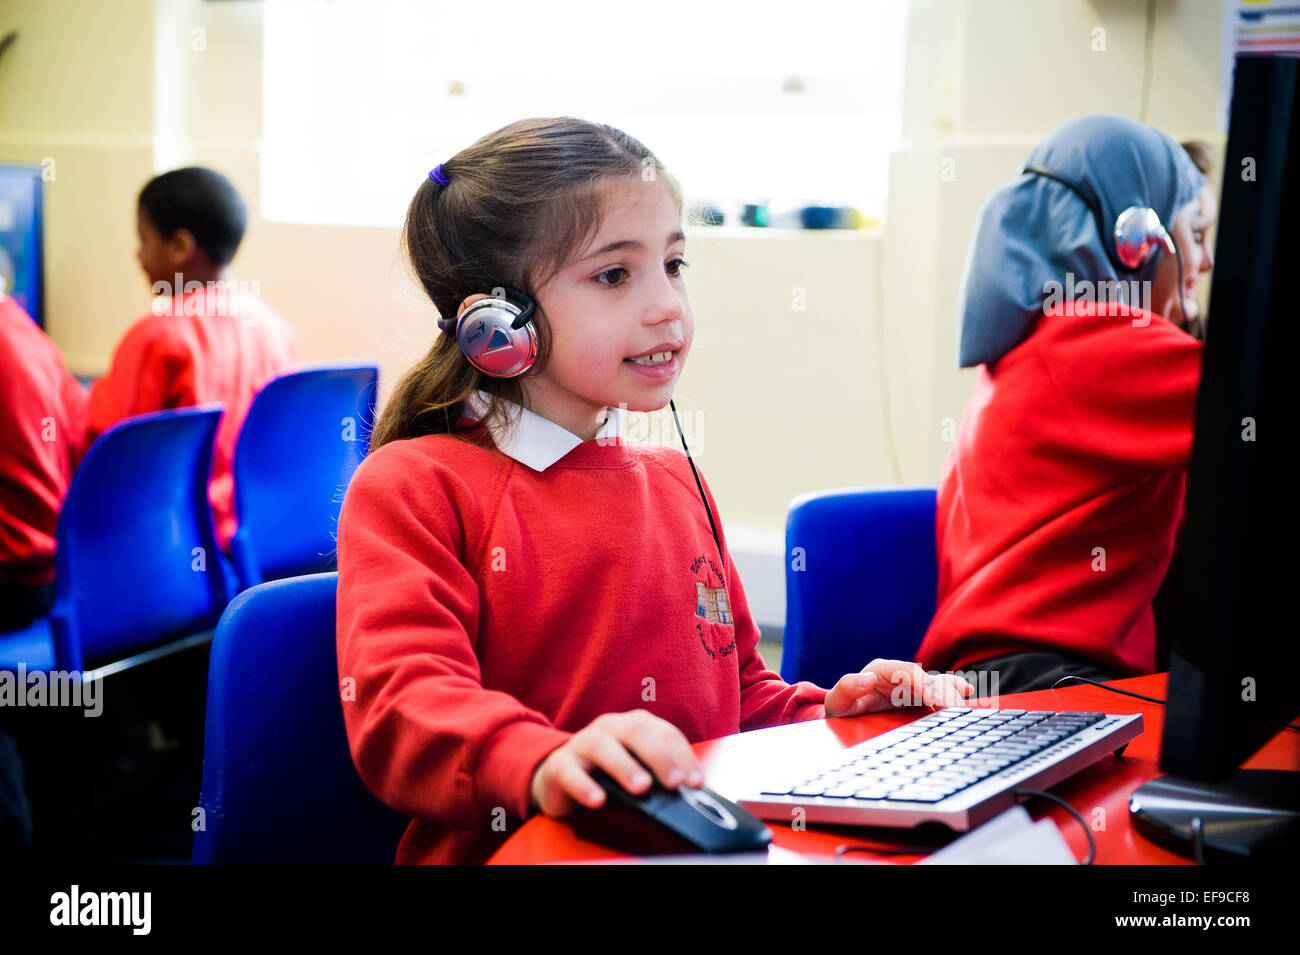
[[1060, 502], [487, 611], [42, 431], [212, 344]]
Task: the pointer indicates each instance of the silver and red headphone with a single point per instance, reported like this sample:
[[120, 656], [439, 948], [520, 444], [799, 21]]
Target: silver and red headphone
[[497, 334], [1134, 239]]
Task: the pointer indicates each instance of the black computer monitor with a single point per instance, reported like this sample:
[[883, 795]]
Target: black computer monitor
[[1234, 678]]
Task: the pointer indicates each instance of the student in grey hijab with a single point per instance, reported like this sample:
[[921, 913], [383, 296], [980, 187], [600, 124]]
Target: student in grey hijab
[[1035, 230], [1061, 497]]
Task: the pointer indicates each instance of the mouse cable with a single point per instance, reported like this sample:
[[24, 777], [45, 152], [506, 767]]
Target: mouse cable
[[1092, 843], [1115, 689]]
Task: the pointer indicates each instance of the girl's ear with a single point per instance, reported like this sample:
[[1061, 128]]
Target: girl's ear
[[470, 300]]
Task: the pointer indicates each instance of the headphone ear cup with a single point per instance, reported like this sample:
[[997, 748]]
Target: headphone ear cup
[[489, 341], [1138, 233]]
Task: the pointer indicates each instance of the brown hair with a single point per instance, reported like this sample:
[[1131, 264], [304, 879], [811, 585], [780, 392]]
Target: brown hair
[[1199, 152], [518, 204]]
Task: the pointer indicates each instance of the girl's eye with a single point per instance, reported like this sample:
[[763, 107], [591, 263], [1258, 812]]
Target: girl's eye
[[674, 268]]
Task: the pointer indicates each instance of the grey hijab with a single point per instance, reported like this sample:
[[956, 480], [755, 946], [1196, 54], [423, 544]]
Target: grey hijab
[[1034, 230]]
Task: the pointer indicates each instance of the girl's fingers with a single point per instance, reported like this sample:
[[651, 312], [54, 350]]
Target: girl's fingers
[[664, 749], [948, 690], [897, 674], [574, 782], [612, 756], [956, 690], [885, 684], [852, 694]]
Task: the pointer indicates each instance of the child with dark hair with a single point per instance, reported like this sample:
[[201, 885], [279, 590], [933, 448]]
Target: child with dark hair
[[524, 595], [208, 338]]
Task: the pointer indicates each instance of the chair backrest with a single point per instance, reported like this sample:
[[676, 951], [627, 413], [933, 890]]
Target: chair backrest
[[861, 579], [304, 435], [136, 553], [279, 785]]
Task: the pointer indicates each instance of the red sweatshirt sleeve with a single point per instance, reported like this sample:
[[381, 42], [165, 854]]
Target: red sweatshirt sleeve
[[139, 378], [425, 735], [765, 699], [1128, 389]]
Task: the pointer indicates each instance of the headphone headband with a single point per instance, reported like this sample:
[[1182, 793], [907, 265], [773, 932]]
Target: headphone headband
[[1137, 232]]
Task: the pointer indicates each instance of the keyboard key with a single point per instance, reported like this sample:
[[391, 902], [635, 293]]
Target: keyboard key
[[873, 792], [915, 795], [840, 792], [953, 778], [813, 790]]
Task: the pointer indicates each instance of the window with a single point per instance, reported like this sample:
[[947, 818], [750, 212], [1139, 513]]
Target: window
[[750, 102]]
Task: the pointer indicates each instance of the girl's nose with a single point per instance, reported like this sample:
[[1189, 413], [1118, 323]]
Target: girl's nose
[[667, 306]]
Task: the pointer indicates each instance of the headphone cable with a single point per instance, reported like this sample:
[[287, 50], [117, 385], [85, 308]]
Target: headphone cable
[[699, 484], [1115, 689]]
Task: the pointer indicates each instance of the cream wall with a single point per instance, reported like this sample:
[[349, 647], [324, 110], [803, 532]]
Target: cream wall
[[851, 390]]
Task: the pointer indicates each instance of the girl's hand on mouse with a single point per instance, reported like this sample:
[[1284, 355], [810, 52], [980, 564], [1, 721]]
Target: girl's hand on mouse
[[883, 682], [613, 742]]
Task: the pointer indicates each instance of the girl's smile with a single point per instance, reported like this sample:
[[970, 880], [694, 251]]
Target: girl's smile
[[660, 367]]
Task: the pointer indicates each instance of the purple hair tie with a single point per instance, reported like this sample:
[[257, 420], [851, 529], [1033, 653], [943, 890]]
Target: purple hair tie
[[436, 174]]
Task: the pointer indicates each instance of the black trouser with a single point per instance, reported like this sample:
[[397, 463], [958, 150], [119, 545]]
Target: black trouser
[[19, 606], [1036, 670], [15, 810]]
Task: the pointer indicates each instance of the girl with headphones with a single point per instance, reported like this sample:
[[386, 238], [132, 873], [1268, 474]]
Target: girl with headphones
[[1060, 501], [525, 596]]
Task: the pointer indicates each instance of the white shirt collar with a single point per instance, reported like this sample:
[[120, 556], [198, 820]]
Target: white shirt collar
[[537, 442]]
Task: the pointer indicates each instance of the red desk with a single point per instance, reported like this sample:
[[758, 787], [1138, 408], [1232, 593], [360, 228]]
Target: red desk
[[1105, 785]]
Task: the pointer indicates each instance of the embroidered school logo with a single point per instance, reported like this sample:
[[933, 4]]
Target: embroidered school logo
[[711, 603]]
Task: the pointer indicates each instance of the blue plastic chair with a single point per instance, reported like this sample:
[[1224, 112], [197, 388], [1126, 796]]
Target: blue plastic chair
[[138, 574], [303, 437], [279, 785], [861, 579]]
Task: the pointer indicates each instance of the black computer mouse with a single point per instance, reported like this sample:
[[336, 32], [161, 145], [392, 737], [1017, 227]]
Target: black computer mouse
[[667, 822]]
